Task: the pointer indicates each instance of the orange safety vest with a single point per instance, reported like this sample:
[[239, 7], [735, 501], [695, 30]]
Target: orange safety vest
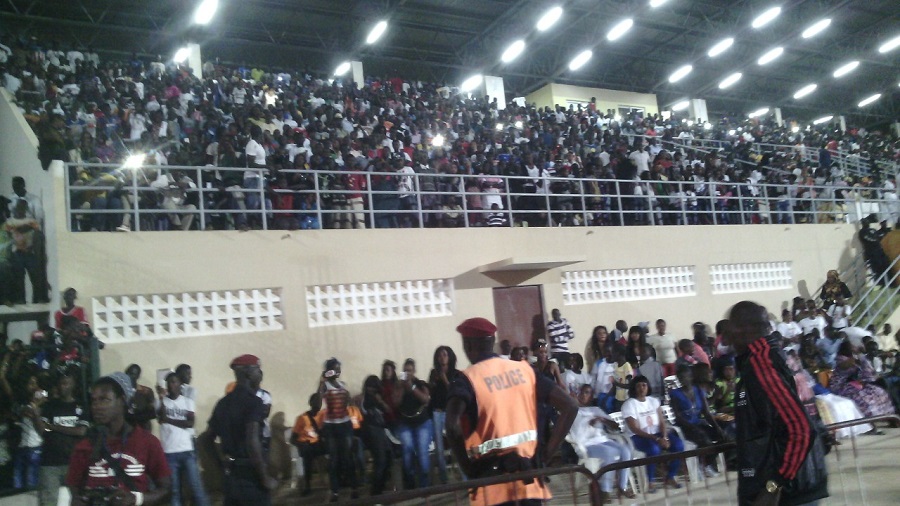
[[356, 416], [505, 392]]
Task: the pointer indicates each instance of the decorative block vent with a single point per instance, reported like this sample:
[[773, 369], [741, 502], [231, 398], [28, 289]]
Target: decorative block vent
[[614, 285], [162, 316], [752, 277], [378, 302]]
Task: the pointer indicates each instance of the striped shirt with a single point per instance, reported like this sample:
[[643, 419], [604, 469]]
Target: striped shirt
[[336, 399], [560, 333]]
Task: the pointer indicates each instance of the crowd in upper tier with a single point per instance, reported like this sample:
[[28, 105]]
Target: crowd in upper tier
[[85, 109]]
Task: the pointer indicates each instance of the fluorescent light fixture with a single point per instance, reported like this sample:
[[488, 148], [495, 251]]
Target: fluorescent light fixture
[[181, 55], [679, 106], [342, 68], [804, 91], [205, 11], [869, 100], [766, 17], [890, 45], [437, 140], [656, 3], [620, 29], [720, 47], [580, 59], [823, 119], [518, 124], [471, 83], [770, 56], [377, 31], [549, 18], [499, 127], [513, 51], [815, 28], [730, 80], [845, 69], [679, 74], [134, 161], [759, 112]]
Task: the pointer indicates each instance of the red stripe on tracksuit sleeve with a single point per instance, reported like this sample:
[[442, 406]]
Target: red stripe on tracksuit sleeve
[[790, 412]]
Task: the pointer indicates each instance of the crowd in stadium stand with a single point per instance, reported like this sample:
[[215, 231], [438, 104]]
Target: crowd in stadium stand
[[842, 372], [87, 110]]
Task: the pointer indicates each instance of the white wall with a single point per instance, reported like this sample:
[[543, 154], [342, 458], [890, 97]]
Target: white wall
[[558, 94]]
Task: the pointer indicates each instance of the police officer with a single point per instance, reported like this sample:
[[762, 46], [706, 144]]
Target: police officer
[[237, 422], [492, 419]]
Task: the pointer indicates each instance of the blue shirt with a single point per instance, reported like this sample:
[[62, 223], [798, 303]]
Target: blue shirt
[[829, 348], [684, 407]]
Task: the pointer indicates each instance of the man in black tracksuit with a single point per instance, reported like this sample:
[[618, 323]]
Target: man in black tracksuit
[[780, 460]]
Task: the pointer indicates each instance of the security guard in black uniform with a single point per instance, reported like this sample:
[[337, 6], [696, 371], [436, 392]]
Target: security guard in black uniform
[[237, 422]]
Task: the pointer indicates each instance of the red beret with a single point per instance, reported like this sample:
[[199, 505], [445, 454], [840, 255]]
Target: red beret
[[245, 360], [476, 327]]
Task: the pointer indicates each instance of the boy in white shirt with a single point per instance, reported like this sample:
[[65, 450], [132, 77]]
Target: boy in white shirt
[[176, 421]]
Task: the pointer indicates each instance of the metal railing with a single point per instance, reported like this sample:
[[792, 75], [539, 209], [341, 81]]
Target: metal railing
[[453, 200], [881, 295], [424, 495]]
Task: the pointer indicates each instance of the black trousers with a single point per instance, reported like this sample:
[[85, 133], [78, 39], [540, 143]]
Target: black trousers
[[241, 491]]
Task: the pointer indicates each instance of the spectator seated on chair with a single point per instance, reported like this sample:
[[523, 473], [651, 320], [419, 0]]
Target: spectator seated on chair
[[693, 417], [588, 431], [305, 436], [646, 424]]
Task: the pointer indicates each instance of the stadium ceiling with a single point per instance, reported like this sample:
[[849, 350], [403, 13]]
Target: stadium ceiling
[[448, 40]]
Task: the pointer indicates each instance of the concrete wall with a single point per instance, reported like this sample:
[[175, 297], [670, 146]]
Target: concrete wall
[[557, 94], [101, 264], [18, 157]]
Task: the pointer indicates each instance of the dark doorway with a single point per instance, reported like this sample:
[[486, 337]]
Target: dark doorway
[[519, 313]]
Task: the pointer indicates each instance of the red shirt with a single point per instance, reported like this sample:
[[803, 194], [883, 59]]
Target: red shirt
[[77, 312], [142, 458]]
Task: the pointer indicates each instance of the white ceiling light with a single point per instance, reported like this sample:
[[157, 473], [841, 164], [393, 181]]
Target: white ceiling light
[[770, 56], [181, 55], [620, 29], [377, 32], [471, 83], [730, 80], [513, 51], [823, 119], [342, 68], [890, 45], [804, 91], [680, 73], [845, 69], [656, 3], [869, 100], [759, 112], [205, 11], [580, 59], [766, 17], [815, 28], [680, 106], [720, 47], [549, 18]]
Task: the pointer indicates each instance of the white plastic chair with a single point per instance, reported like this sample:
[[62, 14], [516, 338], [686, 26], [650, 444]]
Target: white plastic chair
[[693, 463], [639, 473]]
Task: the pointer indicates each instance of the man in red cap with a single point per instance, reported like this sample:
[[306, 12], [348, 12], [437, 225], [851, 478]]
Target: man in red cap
[[237, 421], [492, 419]]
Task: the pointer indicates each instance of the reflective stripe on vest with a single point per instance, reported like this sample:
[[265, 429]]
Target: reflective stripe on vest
[[502, 443]]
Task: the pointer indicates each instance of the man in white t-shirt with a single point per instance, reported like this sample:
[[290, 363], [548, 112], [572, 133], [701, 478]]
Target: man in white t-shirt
[[839, 313], [664, 344], [641, 160], [176, 421], [788, 328], [815, 319]]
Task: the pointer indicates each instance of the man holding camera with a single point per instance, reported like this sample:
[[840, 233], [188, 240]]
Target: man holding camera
[[117, 461], [492, 419]]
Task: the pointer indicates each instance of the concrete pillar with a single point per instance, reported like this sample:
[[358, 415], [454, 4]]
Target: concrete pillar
[[778, 119], [493, 88], [194, 61], [697, 110], [358, 77], [843, 121], [896, 127]]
